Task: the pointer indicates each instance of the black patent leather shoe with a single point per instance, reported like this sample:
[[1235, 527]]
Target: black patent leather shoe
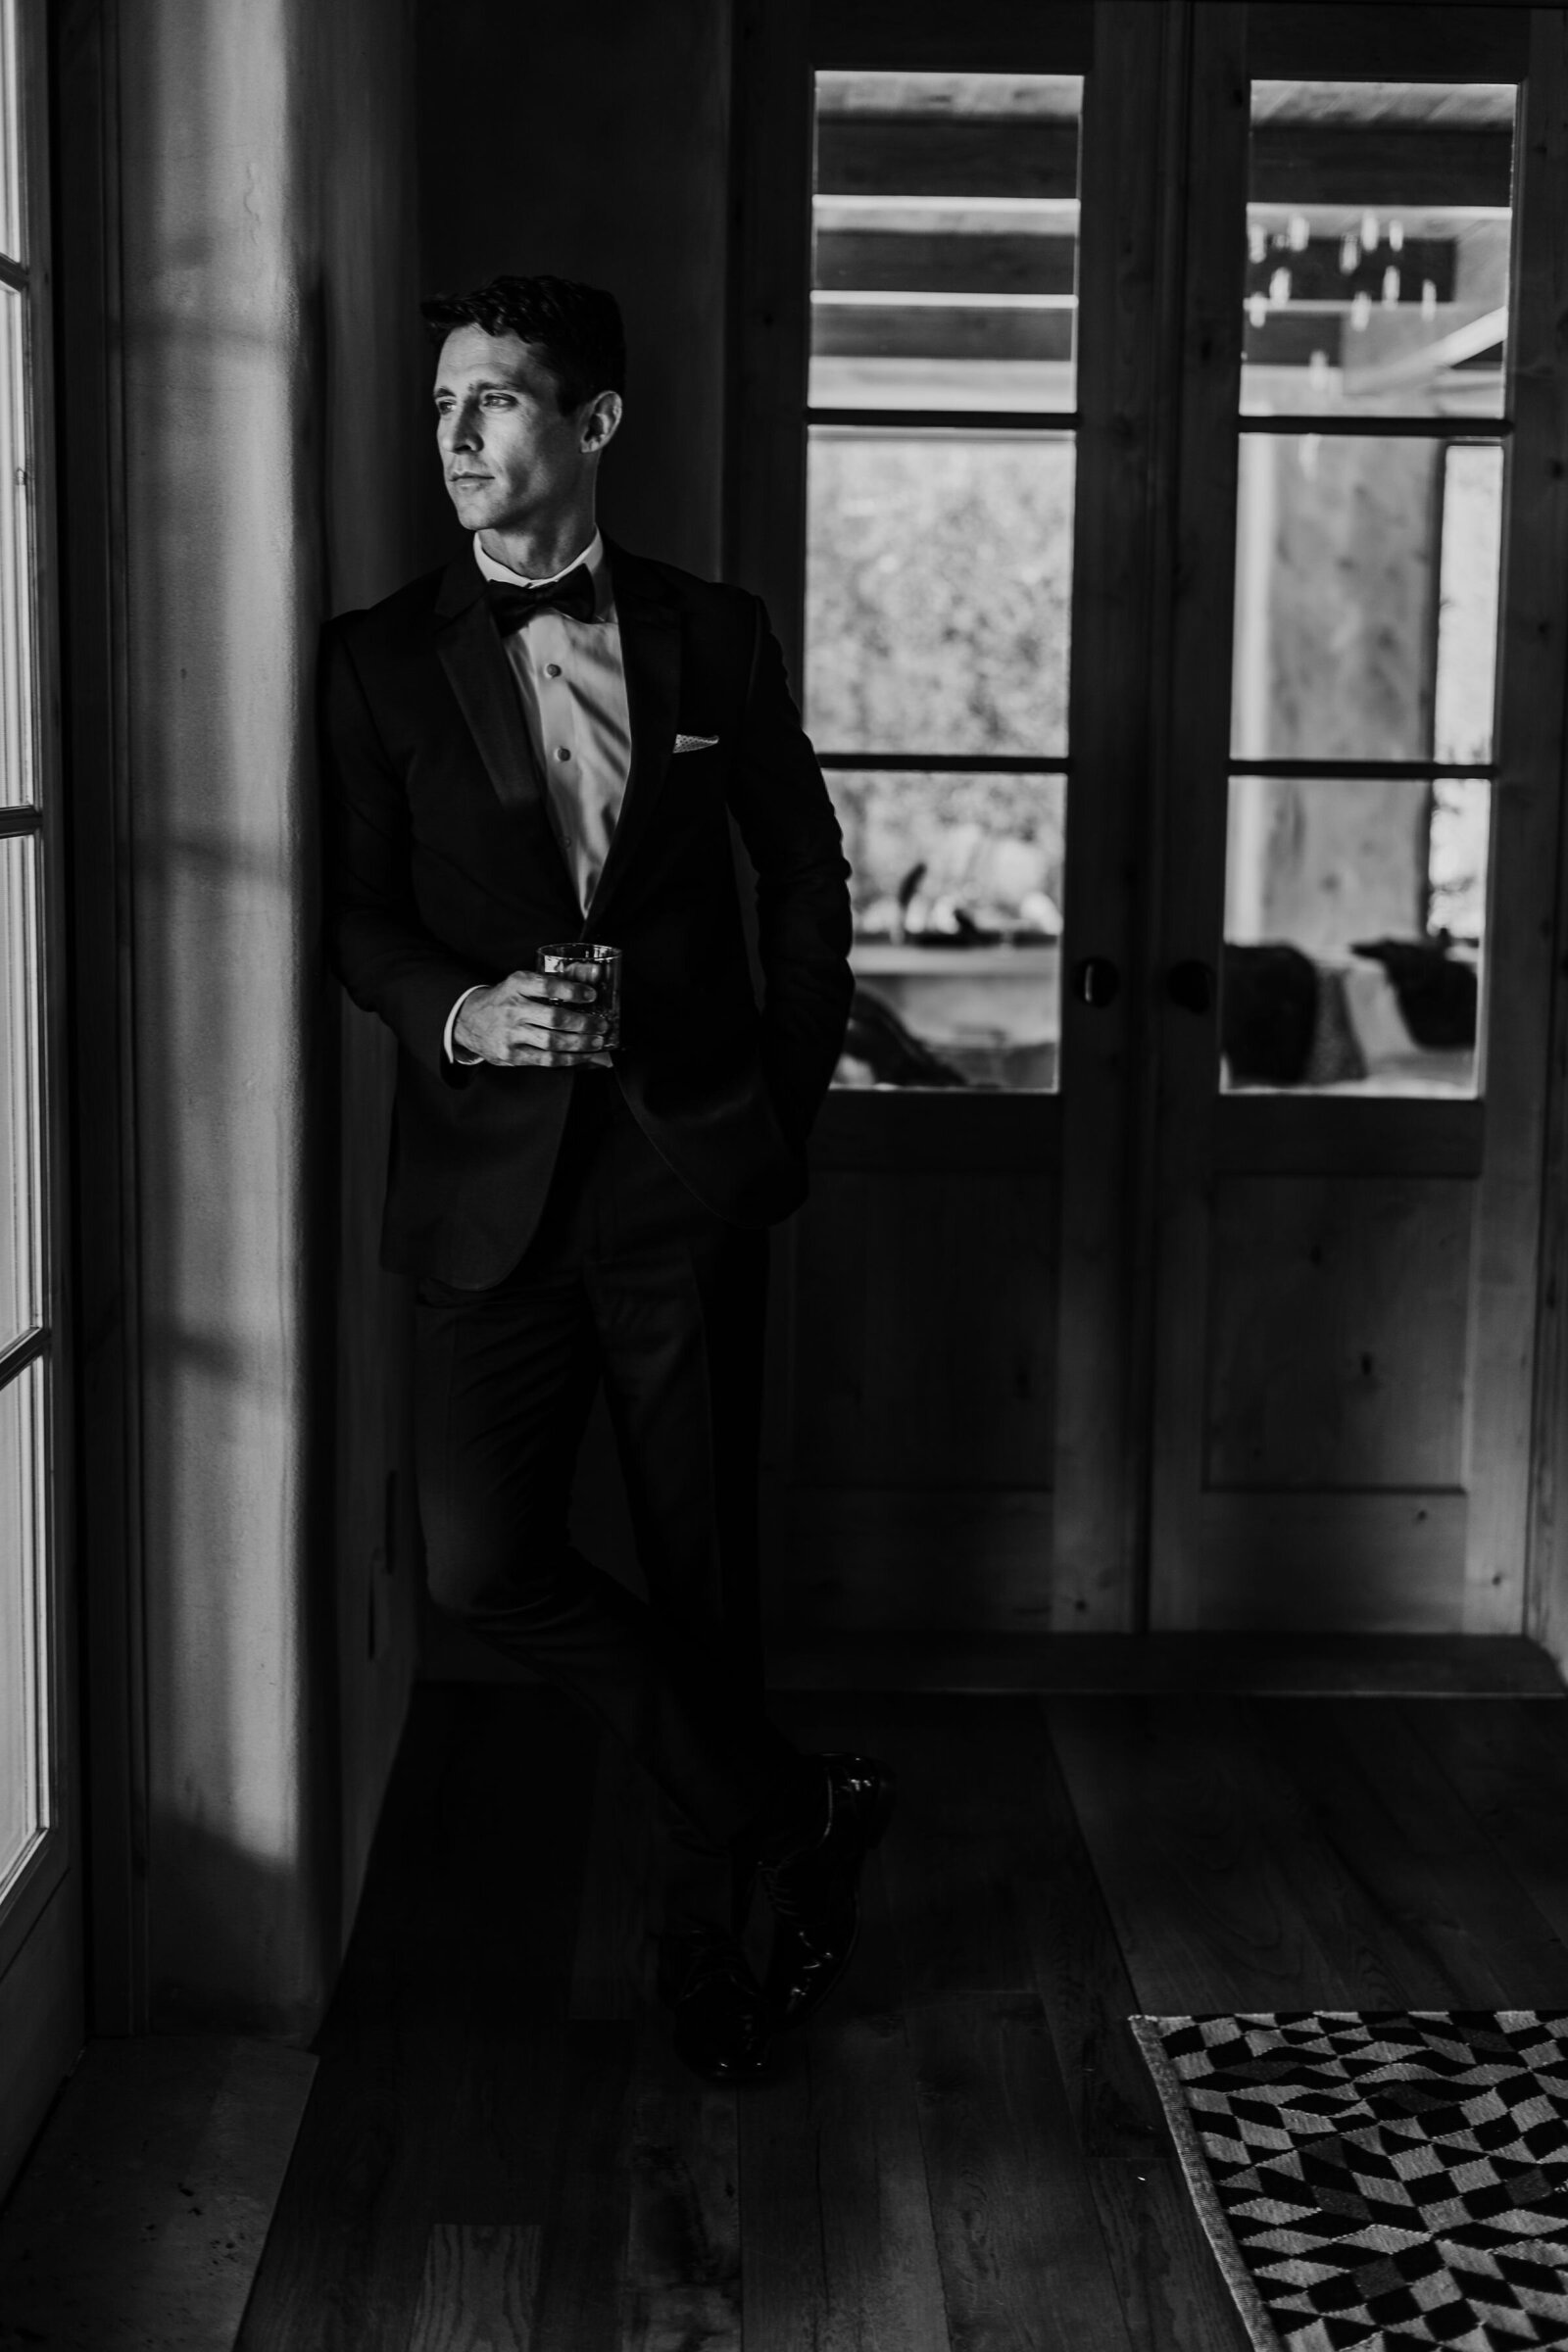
[[725, 2025], [814, 1889]]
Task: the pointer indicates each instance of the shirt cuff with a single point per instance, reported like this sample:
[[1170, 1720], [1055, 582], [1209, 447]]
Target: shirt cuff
[[449, 1038]]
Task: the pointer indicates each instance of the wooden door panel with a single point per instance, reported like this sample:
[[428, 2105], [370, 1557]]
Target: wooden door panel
[[909, 1477], [952, 1559], [1273, 1349], [1337, 1323], [1348, 1287], [1306, 1562], [925, 1312]]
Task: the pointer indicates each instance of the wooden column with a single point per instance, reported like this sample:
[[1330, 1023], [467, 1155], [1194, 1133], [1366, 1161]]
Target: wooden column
[[1525, 834], [1197, 749], [1133, 197]]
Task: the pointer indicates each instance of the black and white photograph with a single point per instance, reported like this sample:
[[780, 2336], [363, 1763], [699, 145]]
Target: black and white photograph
[[783, 1175]]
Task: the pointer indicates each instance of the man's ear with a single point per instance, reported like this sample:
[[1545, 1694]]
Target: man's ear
[[601, 423]]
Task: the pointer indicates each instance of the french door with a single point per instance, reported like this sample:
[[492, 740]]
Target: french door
[[1364, 827], [1183, 485]]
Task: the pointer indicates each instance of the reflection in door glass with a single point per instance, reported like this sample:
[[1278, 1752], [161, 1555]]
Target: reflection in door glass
[[945, 240], [23, 1621], [1366, 598], [1378, 248], [957, 886], [1353, 915]]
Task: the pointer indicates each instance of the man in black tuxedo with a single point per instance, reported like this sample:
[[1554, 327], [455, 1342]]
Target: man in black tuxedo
[[544, 742]]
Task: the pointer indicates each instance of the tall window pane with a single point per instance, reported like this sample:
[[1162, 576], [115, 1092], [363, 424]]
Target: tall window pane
[[1378, 234], [1354, 933], [957, 882], [26, 1385], [939, 591], [10, 229], [1369, 539], [1366, 598], [24, 1622], [939, 557], [17, 758], [20, 1187], [946, 234]]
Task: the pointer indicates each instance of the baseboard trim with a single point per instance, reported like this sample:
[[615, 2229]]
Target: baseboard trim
[[1301, 1665]]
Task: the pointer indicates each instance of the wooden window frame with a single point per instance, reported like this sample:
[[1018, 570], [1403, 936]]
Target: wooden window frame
[[57, 1853]]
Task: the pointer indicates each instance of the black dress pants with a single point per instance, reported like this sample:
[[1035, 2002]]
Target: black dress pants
[[630, 1280]]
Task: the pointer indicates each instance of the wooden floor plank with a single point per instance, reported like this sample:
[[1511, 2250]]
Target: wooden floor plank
[[142, 2216], [1509, 1767], [839, 2250], [345, 2253], [498, 2161], [1003, 1791], [477, 2291], [966, 2151], [1076, 1961], [614, 1959], [1223, 1893], [432, 2083], [980, 1778], [682, 2273], [1024, 2265], [582, 2246], [1401, 1827], [1173, 2298], [948, 1861]]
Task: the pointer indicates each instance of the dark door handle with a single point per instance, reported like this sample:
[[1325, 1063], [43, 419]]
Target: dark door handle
[[1191, 985], [1096, 982]]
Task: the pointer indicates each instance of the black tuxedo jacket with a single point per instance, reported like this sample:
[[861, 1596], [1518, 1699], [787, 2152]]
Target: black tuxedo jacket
[[443, 871]]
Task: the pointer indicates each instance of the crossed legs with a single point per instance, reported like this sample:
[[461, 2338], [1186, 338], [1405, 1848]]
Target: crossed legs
[[631, 1282]]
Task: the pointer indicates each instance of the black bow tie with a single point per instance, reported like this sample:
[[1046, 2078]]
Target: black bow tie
[[573, 594]]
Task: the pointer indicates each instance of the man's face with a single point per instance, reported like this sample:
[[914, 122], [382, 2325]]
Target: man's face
[[510, 457]]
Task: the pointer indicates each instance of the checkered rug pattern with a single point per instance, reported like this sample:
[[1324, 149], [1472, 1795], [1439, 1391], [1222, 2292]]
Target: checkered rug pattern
[[1378, 2178]]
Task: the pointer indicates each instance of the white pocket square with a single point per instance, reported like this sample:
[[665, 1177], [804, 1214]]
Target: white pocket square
[[695, 743]]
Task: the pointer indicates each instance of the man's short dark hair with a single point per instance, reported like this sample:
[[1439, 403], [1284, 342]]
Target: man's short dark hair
[[575, 329]]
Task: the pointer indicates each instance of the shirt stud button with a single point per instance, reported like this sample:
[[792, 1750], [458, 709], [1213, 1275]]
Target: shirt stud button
[[561, 752], [552, 669]]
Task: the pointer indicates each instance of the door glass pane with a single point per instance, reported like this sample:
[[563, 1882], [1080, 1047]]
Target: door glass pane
[[1366, 598], [24, 1622], [945, 240], [10, 137], [957, 889], [1378, 233], [18, 761], [939, 585], [1353, 918], [21, 1192]]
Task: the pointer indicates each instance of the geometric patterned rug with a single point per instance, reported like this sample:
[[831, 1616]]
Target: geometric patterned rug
[[1378, 2178]]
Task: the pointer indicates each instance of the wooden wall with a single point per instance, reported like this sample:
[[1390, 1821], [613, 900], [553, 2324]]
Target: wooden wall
[[234, 256], [909, 1472], [594, 144]]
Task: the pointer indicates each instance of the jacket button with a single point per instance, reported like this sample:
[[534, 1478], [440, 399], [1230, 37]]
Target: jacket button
[[561, 752], [552, 669]]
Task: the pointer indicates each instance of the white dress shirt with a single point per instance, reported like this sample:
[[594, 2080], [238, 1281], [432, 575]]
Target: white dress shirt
[[571, 682]]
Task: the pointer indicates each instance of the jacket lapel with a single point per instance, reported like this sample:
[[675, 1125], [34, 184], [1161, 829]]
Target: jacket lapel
[[481, 677], [649, 619]]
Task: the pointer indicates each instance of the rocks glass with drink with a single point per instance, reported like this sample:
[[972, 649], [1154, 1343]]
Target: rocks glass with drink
[[588, 959]]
